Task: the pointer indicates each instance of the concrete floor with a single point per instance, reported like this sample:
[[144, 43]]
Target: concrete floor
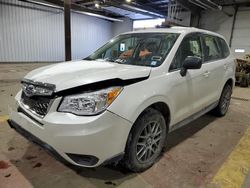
[[192, 158]]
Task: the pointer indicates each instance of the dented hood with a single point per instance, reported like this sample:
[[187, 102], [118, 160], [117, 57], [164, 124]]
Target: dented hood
[[77, 73]]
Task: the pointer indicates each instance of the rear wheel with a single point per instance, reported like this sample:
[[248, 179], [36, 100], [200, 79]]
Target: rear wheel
[[145, 141], [222, 108]]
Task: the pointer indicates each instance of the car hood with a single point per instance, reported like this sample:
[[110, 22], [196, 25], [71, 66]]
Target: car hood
[[77, 73]]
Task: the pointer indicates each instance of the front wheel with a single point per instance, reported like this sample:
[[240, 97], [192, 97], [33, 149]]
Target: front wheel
[[145, 141], [222, 108]]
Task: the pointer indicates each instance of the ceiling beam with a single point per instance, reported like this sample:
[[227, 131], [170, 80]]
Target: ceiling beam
[[157, 2], [146, 7], [241, 4], [84, 1], [135, 8], [79, 8], [194, 9]]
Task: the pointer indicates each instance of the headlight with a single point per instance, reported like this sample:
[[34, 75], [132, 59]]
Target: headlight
[[90, 103]]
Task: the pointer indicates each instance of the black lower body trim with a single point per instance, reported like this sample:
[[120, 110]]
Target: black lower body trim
[[36, 140], [115, 159], [87, 160], [194, 116]]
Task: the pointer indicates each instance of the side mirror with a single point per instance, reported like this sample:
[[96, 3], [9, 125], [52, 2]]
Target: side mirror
[[191, 62]]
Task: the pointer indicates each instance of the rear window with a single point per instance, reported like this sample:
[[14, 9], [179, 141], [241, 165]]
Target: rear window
[[224, 48]]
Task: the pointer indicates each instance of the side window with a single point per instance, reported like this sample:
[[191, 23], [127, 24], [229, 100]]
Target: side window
[[224, 48], [190, 46], [211, 48]]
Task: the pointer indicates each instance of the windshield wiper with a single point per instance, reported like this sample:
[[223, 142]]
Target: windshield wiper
[[120, 61], [87, 58]]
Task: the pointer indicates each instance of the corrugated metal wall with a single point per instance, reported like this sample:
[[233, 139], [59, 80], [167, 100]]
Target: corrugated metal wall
[[221, 23], [36, 33], [122, 27], [88, 33], [218, 21], [241, 35]]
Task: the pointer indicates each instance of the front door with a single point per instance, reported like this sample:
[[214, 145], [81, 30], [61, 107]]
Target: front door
[[187, 92]]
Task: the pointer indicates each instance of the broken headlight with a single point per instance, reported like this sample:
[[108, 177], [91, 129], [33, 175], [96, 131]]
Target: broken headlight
[[90, 103]]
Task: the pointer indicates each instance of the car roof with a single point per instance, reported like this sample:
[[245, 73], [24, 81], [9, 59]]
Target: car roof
[[176, 29]]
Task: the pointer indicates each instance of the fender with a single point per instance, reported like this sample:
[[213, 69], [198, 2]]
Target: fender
[[230, 70], [132, 116], [145, 104]]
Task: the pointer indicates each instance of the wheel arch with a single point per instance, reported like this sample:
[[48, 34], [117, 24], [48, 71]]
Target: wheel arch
[[230, 82], [160, 106], [163, 108]]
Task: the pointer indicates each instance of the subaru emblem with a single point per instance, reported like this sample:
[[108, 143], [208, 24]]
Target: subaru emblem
[[30, 90]]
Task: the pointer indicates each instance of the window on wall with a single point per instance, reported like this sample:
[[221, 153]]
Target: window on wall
[[190, 46], [211, 48]]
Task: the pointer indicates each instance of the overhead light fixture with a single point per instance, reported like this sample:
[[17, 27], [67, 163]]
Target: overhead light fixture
[[98, 16], [128, 1], [97, 5], [239, 50]]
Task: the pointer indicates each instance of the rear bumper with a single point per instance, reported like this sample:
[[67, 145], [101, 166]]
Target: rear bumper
[[81, 141]]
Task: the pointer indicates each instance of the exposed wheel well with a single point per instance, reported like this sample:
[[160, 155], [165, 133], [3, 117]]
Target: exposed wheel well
[[164, 110], [229, 82]]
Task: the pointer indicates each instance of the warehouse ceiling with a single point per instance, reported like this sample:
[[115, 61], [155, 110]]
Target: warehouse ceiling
[[135, 9], [143, 9]]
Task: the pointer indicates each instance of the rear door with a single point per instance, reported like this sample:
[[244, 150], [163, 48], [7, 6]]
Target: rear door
[[213, 69]]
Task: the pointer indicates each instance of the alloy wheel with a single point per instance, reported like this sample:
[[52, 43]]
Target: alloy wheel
[[149, 141], [225, 101]]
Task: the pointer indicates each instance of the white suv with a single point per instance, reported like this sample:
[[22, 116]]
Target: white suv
[[122, 101]]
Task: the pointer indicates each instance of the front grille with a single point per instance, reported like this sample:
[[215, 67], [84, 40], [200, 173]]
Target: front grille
[[37, 104]]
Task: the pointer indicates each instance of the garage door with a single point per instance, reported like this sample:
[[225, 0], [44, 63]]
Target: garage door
[[241, 36]]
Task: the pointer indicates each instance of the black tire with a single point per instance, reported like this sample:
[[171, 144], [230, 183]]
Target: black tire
[[222, 108], [152, 122]]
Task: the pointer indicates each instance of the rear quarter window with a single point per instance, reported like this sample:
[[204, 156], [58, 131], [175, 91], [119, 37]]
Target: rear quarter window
[[224, 48], [212, 50]]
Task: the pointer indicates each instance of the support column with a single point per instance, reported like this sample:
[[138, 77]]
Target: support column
[[195, 20], [67, 29], [233, 24]]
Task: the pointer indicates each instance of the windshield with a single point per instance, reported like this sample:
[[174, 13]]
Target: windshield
[[142, 49]]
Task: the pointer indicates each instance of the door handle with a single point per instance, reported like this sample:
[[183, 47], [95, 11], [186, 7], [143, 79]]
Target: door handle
[[206, 74]]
